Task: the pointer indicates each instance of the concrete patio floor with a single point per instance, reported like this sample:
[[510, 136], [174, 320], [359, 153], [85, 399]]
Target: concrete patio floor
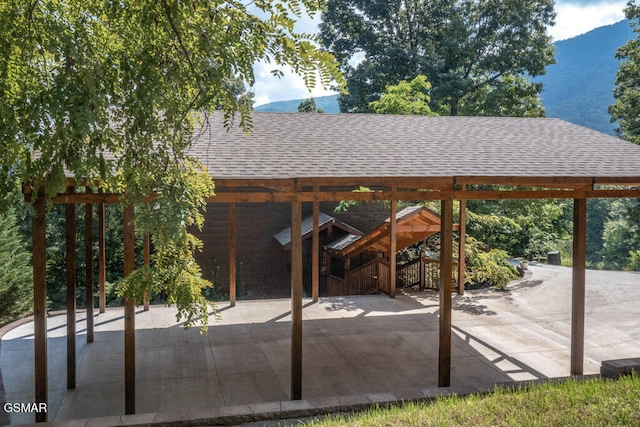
[[352, 346]]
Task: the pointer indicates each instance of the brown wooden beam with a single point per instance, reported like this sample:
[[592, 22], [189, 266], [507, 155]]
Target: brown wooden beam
[[620, 180], [331, 196], [102, 260], [252, 197], [39, 262], [417, 228], [336, 196], [315, 253], [232, 254], [543, 194], [296, 301], [83, 198], [88, 256], [373, 196], [70, 256], [323, 196], [578, 285], [437, 182], [281, 184], [462, 228], [129, 317], [146, 254], [533, 181], [393, 224], [446, 269]]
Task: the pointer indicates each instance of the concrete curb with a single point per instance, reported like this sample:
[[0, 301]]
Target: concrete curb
[[274, 411]]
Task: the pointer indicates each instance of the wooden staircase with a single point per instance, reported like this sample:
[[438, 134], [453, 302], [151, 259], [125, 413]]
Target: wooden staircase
[[373, 277]]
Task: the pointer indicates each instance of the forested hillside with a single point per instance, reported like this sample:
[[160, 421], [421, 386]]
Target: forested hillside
[[578, 88], [328, 103]]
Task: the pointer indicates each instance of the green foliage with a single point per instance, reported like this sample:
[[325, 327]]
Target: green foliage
[[136, 79], [344, 205], [573, 402], [487, 267], [627, 90], [565, 247], [309, 106], [472, 52], [508, 96], [597, 215], [15, 271], [523, 228], [615, 238], [411, 98], [214, 293], [621, 234], [56, 250], [634, 261]]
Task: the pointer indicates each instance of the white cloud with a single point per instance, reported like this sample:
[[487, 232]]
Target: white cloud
[[269, 88], [574, 19]]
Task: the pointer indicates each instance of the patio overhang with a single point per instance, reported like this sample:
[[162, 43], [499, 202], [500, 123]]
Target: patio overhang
[[290, 158]]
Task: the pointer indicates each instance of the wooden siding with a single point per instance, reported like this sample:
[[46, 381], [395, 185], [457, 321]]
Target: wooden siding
[[263, 266]]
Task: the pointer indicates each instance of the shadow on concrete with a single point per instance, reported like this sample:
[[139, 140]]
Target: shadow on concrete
[[387, 347], [471, 305], [525, 284]]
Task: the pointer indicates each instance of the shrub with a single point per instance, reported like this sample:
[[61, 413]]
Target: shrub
[[634, 261], [490, 268]]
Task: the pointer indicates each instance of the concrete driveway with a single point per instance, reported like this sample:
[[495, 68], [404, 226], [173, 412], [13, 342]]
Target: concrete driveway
[[352, 346]]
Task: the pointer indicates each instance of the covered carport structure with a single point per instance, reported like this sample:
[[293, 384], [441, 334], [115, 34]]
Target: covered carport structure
[[309, 158]]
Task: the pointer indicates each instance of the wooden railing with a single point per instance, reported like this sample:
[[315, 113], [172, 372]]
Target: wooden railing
[[384, 284], [369, 278], [409, 274], [363, 280], [336, 286], [373, 277]]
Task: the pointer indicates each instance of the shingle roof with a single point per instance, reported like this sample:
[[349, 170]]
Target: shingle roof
[[284, 236], [408, 211], [300, 145], [343, 242], [419, 218]]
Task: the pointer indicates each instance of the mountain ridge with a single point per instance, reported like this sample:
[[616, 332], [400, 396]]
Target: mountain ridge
[[578, 88]]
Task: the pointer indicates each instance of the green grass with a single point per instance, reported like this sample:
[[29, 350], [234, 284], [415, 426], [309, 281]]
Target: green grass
[[593, 402]]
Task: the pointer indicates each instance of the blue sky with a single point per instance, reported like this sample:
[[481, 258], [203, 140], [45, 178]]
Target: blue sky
[[574, 17]]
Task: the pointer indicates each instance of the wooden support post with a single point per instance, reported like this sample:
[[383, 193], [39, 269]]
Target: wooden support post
[[232, 255], [40, 305], [422, 272], [446, 270], [146, 253], [70, 238], [129, 318], [463, 238], [578, 285], [296, 301], [88, 246], [102, 260], [315, 251], [392, 248]]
